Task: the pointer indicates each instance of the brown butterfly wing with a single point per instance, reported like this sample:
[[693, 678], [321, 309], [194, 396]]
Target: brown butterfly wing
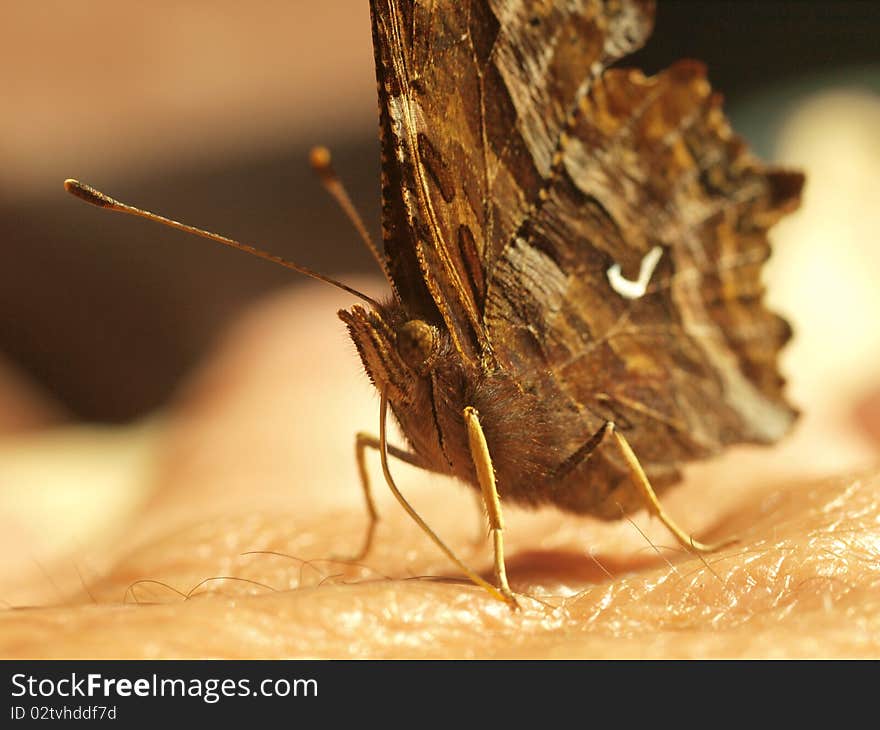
[[475, 96], [691, 365]]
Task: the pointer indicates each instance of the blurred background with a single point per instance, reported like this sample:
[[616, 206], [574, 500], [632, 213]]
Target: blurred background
[[205, 112]]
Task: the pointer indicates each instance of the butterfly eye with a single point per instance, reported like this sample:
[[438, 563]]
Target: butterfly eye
[[416, 343]]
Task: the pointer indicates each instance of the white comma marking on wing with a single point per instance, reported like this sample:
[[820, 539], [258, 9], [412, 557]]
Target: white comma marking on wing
[[635, 289]]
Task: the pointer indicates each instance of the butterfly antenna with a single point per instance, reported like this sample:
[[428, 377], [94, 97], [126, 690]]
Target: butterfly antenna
[[322, 164], [95, 197]]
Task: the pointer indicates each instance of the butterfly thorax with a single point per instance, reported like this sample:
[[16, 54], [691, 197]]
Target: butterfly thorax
[[429, 384]]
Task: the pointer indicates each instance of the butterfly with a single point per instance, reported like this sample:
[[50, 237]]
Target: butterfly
[[574, 255]]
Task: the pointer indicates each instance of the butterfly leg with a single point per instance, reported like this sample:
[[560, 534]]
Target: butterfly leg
[[362, 442], [389, 480], [486, 477], [640, 479]]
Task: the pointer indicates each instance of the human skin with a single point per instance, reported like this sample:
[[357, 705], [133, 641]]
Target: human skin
[[256, 493]]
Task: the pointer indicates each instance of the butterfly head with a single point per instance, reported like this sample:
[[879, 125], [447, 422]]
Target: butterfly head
[[398, 352]]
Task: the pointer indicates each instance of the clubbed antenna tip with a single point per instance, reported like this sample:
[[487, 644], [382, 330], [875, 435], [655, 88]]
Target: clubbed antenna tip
[[89, 194]]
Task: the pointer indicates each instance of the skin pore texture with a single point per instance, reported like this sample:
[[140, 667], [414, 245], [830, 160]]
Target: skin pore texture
[[255, 490]]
